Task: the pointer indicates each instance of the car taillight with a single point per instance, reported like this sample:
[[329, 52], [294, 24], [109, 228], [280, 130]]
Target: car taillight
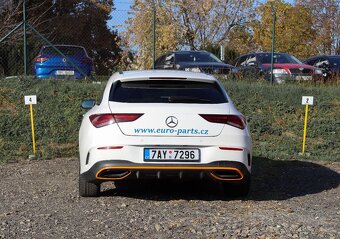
[[120, 118], [41, 59], [237, 121], [102, 120]]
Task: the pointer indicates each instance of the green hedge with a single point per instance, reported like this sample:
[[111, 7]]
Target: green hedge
[[276, 118], [274, 113], [57, 116]]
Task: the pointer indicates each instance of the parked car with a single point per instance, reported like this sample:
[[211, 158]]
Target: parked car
[[196, 61], [285, 67], [330, 64], [51, 64], [164, 124]]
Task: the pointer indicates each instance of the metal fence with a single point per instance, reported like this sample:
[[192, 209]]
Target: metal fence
[[28, 47], [47, 39]]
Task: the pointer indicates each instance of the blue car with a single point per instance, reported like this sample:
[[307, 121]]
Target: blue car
[[51, 64]]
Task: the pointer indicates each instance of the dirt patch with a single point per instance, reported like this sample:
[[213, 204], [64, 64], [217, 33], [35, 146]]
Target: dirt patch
[[288, 199]]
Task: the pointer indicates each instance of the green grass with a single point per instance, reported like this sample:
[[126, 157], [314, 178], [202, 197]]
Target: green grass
[[57, 116], [274, 113], [276, 118]]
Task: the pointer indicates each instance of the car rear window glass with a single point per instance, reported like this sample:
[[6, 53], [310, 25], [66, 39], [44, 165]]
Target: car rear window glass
[[335, 60], [66, 50], [167, 91], [265, 58], [196, 57]]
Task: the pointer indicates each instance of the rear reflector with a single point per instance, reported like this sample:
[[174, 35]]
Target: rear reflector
[[231, 149], [102, 120], [237, 121], [110, 147]]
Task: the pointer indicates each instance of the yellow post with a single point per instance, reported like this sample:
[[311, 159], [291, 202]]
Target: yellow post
[[32, 126], [305, 130]]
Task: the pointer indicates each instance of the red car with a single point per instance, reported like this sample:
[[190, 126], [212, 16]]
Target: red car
[[285, 67]]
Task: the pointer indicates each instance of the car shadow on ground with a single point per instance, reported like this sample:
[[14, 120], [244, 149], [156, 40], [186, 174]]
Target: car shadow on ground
[[271, 180]]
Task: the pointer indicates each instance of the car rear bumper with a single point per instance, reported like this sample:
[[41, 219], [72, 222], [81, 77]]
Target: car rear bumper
[[113, 170], [280, 78], [44, 72]]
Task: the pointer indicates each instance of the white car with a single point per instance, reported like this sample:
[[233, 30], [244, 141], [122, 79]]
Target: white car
[[164, 124]]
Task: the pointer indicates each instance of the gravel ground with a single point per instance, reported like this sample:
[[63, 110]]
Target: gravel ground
[[288, 199]]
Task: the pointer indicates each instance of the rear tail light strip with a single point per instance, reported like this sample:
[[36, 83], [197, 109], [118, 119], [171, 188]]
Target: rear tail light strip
[[237, 121], [41, 59], [231, 148], [110, 147]]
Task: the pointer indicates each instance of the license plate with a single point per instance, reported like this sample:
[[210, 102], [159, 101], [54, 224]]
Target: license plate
[[64, 73], [304, 77], [171, 154]]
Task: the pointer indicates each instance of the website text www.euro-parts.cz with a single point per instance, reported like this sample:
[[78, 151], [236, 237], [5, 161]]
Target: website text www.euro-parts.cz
[[171, 131]]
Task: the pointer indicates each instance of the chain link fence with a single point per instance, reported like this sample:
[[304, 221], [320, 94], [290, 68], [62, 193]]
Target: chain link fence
[[61, 39], [87, 39]]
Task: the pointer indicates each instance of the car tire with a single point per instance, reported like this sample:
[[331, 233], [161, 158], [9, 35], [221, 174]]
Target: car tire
[[236, 189], [88, 189]]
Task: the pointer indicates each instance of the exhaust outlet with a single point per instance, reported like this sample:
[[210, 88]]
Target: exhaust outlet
[[227, 174], [113, 174]]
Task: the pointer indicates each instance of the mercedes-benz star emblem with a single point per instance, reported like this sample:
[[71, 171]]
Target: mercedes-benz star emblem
[[171, 121]]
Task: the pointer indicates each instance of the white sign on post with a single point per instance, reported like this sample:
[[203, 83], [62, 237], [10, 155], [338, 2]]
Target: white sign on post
[[307, 100], [30, 99]]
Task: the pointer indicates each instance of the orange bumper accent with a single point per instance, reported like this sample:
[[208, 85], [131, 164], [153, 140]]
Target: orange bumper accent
[[203, 168]]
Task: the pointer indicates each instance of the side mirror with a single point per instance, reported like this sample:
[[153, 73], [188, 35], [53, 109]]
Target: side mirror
[[252, 64], [88, 104]]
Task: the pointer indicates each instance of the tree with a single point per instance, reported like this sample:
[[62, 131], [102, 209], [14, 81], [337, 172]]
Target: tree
[[241, 40], [11, 14], [326, 23], [139, 31], [194, 24], [83, 22], [72, 22], [207, 22], [294, 33]]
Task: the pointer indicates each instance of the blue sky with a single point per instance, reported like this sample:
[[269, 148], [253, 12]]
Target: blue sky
[[120, 15]]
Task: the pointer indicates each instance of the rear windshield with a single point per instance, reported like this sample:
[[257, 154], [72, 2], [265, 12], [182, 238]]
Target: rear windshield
[[265, 58], [196, 57], [66, 50], [335, 60], [165, 91]]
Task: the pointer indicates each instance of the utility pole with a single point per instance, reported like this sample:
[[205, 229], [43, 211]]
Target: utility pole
[[25, 36], [273, 42], [153, 34]]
